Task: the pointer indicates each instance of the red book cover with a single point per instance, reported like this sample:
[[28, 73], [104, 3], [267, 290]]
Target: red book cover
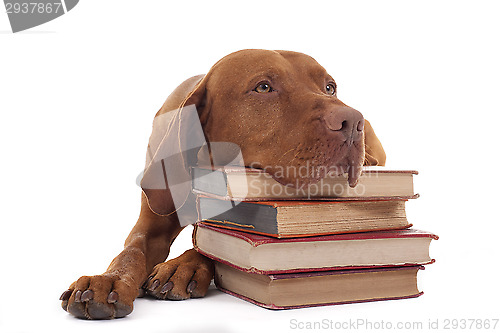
[[257, 239]]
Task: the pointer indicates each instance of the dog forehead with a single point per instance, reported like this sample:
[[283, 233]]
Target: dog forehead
[[247, 63]]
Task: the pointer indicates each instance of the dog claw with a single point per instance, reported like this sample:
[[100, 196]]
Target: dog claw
[[167, 287], [155, 285], [78, 296], [145, 285], [87, 295], [112, 297], [65, 295], [191, 286]]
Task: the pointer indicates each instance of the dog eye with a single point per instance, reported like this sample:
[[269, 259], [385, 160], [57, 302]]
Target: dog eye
[[263, 88], [330, 89]]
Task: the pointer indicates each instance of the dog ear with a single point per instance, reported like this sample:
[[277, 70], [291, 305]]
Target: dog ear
[[176, 138], [374, 152]]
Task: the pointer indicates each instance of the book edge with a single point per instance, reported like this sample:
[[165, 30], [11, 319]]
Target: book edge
[[309, 270], [286, 236], [241, 169], [373, 234], [275, 307], [376, 198]]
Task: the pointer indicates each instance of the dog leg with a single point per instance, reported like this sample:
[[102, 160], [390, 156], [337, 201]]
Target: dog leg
[[187, 276], [111, 295]]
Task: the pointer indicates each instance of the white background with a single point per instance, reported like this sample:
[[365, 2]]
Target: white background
[[77, 99]]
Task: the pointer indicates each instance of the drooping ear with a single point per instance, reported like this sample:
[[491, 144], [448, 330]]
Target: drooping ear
[[374, 152], [174, 143]]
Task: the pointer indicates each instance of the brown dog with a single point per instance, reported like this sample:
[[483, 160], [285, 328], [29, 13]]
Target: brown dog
[[281, 109]]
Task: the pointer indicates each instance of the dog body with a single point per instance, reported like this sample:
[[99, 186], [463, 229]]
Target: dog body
[[281, 109]]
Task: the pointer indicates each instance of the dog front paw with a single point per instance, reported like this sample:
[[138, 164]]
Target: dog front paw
[[99, 297], [187, 276]]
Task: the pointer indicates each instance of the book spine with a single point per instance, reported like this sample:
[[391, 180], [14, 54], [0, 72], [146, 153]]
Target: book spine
[[238, 215]]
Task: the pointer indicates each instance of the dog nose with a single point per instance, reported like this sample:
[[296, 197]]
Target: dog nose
[[347, 121]]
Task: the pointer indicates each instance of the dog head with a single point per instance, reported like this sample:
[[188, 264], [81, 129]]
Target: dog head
[[281, 110]]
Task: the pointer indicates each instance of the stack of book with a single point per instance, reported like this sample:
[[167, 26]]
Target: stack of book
[[281, 247]]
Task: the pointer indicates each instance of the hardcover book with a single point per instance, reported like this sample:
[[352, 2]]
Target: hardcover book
[[267, 255], [303, 218], [240, 184], [288, 291]]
